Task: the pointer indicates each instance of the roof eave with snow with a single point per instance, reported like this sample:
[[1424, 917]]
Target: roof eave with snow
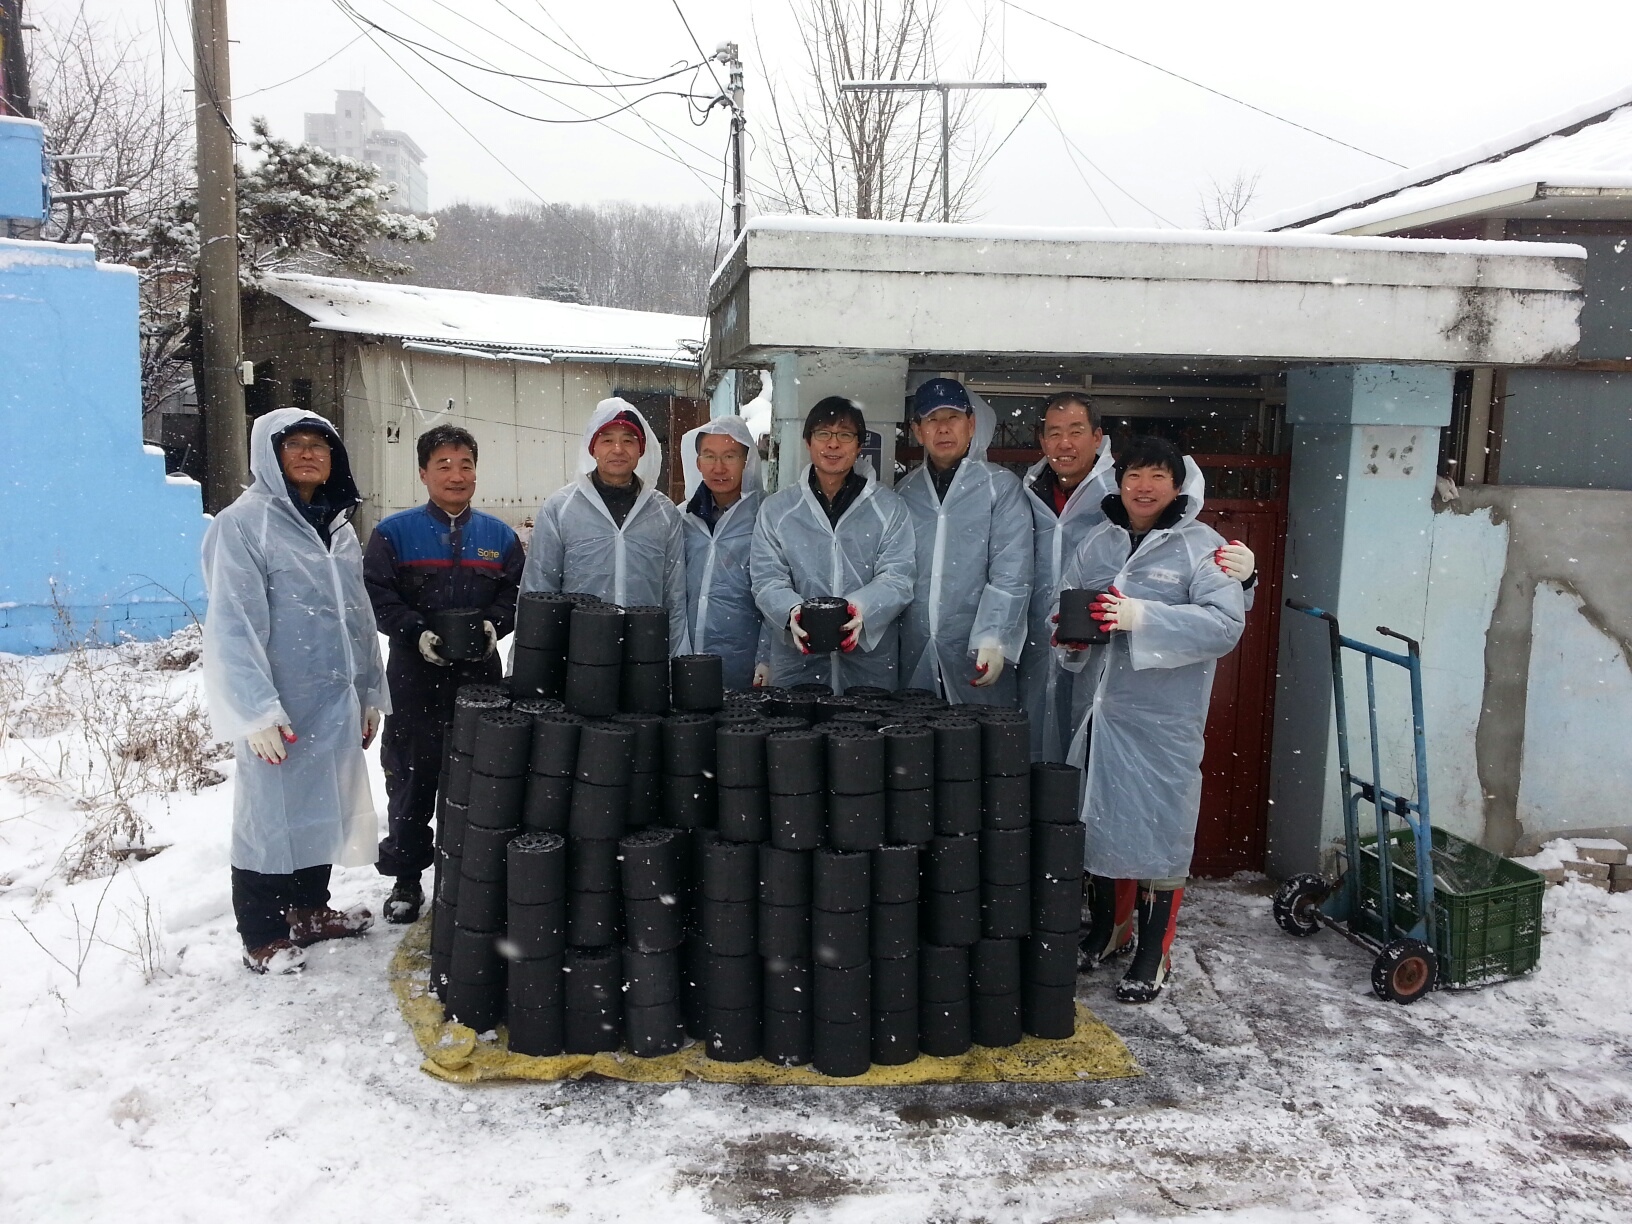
[[795, 284], [1572, 166], [460, 323]]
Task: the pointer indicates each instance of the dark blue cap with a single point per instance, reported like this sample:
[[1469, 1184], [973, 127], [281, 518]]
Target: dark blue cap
[[940, 393]]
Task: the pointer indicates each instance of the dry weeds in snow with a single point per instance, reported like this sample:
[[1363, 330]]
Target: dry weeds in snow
[[120, 728]]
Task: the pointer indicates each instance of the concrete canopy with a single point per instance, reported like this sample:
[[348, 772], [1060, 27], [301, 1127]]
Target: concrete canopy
[[798, 284]]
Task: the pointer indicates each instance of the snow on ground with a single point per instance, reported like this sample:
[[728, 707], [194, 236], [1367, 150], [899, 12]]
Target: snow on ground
[[1278, 1087]]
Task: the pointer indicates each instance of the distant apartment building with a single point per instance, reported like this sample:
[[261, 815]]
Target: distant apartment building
[[357, 129]]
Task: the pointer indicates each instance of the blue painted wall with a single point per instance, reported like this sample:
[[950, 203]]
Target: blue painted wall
[[98, 542], [22, 169]]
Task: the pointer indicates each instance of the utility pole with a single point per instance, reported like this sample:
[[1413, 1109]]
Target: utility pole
[[727, 54], [943, 88], [14, 99], [221, 398]]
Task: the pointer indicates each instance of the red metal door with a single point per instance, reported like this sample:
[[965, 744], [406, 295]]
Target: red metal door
[[1240, 722]]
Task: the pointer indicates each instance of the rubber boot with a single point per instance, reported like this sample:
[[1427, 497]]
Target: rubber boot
[[1158, 921], [1110, 920]]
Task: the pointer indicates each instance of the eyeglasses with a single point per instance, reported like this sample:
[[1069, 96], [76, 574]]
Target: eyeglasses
[[828, 435], [294, 446]]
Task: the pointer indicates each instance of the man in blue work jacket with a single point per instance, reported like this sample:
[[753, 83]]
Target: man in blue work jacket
[[436, 556]]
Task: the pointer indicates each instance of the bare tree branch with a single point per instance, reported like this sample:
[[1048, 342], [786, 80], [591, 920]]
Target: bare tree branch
[[1223, 207], [872, 155]]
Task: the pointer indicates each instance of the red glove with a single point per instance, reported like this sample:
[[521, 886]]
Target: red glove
[[852, 630]]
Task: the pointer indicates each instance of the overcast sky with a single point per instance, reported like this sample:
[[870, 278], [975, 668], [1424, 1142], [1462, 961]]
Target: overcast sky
[[1409, 80]]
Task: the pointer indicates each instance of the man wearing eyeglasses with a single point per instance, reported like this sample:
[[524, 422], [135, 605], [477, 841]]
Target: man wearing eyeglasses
[[293, 677], [834, 532]]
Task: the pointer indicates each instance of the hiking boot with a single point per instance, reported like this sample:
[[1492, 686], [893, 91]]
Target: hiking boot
[[402, 906], [310, 926], [1110, 920], [1158, 921], [279, 956]]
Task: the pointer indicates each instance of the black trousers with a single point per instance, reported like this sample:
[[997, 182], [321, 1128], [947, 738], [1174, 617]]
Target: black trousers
[[260, 902], [411, 743]]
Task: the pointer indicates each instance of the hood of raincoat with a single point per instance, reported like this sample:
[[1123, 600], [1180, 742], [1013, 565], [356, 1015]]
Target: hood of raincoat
[[651, 460], [339, 491], [985, 427], [733, 427]]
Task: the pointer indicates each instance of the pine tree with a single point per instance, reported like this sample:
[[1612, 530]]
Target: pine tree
[[300, 209]]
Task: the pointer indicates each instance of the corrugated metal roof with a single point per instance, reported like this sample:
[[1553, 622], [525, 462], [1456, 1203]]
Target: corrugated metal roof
[[489, 321], [1587, 147]]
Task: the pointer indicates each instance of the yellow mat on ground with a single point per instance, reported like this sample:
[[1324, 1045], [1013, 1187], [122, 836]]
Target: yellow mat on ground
[[454, 1052]]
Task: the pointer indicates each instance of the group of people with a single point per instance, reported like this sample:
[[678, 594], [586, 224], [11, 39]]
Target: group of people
[[950, 583]]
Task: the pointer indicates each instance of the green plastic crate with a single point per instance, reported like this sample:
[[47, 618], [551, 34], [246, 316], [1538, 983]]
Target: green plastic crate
[[1487, 908]]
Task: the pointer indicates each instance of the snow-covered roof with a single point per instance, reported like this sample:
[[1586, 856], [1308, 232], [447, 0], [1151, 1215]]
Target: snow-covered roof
[[1587, 149], [490, 324]]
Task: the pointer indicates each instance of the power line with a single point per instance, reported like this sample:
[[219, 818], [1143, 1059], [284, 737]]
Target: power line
[[518, 76], [267, 88], [1302, 127], [657, 133], [1073, 145], [706, 59], [590, 238], [520, 114], [705, 180]]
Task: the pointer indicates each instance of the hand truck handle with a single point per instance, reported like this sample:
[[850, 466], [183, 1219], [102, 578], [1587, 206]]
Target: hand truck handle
[[1410, 642], [1297, 605]]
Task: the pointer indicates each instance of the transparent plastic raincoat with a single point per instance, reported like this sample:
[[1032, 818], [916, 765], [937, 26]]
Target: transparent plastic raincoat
[[1045, 687], [289, 639], [578, 546], [868, 559], [1150, 690], [721, 613], [975, 567]]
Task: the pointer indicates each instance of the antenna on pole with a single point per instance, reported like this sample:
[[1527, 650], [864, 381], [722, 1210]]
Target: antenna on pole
[[944, 88]]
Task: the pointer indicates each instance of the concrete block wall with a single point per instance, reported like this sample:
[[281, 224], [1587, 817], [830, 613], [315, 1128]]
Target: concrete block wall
[[100, 544]]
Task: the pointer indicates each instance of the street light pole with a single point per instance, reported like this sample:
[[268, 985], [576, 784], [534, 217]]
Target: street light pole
[[944, 88]]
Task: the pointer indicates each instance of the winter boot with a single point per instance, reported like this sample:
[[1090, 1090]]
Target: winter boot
[[1158, 920], [279, 956], [1110, 920], [402, 906], [310, 926]]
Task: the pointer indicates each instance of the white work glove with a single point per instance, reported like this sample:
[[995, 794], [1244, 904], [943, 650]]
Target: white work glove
[[371, 725], [268, 743], [492, 639], [988, 666], [1236, 560], [1116, 612], [762, 674], [428, 642], [852, 631], [800, 637]]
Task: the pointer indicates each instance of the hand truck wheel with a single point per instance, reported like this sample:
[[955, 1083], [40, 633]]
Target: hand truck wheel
[[1297, 904], [1404, 971]]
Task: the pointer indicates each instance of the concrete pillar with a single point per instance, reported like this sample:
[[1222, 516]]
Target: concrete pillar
[[1365, 445], [723, 402], [798, 380]]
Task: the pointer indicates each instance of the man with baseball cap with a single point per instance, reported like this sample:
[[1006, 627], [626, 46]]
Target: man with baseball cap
[[963, 634]]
